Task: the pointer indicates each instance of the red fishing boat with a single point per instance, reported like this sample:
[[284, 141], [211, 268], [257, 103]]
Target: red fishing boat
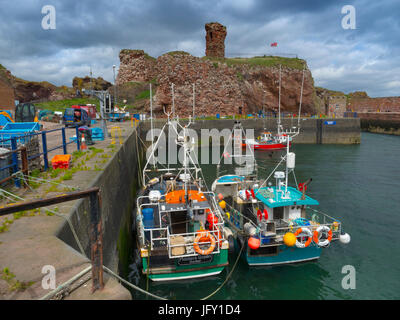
[[268, 142]]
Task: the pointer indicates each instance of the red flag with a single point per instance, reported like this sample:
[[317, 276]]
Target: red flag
[[274, 44]]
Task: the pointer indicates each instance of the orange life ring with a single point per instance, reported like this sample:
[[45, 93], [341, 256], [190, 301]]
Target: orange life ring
[[316, 236], [204, 236], [307, 243]]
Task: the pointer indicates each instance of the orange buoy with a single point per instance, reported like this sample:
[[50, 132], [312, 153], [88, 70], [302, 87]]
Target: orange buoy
[[253, 243]]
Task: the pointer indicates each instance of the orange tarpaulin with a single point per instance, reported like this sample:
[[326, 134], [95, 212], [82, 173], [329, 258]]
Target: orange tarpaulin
[[178, 196]]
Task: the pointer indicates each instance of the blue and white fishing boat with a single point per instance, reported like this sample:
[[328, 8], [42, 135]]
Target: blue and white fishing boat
[[276, 223]]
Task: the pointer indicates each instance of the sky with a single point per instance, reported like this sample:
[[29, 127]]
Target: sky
[[90, 34]]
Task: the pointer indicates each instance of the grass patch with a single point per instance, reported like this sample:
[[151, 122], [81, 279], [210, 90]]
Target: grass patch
[[265, 61], [14, 285], [60, 105], [67, 176], [144, 95]]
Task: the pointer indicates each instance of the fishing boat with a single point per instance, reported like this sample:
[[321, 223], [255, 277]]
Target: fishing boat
[[275, 223], [181, 232], [267, 141]]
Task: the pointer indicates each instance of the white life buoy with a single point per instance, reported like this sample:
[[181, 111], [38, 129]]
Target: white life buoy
[[317, 233], [308, 234]]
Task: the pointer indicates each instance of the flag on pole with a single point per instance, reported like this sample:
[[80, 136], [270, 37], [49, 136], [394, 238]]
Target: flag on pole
[[274, 44]]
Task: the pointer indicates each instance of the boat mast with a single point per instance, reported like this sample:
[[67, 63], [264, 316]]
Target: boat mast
[[173, 101], [194, 99], [151, 123], [301, 98], [279, 102]]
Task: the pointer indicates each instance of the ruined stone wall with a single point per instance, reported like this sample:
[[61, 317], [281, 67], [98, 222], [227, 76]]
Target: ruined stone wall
[[385, 104], [216, 88], [135, 65], [219, 87], [215, 40]]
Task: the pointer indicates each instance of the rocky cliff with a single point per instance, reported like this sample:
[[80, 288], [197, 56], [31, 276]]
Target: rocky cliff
[[222, 85], [90, 83]]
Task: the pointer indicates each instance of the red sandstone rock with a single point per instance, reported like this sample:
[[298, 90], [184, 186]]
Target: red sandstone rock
[[135, 65], [215, 40]]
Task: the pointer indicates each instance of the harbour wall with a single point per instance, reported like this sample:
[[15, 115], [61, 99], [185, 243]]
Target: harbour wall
[[380, 122], [118, 183], [312, 131]]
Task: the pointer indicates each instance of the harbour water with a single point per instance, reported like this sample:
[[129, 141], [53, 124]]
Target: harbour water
[[357, 184]]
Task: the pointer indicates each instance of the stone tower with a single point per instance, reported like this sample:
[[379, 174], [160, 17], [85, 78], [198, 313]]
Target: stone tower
[[215, 40]]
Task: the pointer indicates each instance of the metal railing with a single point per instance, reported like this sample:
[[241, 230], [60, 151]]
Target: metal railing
[[162, 235], [315, 218], [23, 139]]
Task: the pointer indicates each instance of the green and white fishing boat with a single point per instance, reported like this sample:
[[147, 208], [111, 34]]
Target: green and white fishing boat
[[181, 232]]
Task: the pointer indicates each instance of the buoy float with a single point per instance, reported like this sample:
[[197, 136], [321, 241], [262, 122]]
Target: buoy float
[[345, 238], [289, 239], [259, 214], [222, 204], [220, 196], [265, 214], [253, 243]]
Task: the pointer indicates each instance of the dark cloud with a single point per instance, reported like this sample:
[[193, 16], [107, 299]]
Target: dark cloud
[[91, 33]]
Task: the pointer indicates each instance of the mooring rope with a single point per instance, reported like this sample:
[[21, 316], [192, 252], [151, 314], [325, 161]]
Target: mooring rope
[[132, 285], [227, 277]]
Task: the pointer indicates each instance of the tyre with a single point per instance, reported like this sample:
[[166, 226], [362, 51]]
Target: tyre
[[231, 242]]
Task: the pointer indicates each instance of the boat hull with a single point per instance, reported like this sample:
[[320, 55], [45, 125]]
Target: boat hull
[[175, 272], [286, 255], [270, 147]]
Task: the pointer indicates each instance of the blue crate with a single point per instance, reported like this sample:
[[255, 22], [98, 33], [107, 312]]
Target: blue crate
[[97, 131], [22, 126], [17, 130]]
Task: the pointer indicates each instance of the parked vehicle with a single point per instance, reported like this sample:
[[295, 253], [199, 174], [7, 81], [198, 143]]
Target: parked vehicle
[[76, 117], [25, 112], [89, 108]]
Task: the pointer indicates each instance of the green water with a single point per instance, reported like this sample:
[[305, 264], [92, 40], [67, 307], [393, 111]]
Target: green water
[[357, 184]]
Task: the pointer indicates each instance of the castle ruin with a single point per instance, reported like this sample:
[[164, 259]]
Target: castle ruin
[[215, 40]]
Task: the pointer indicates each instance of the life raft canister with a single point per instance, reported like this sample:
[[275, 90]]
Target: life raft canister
[[309, 237], [317, 232], [204, 236]]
